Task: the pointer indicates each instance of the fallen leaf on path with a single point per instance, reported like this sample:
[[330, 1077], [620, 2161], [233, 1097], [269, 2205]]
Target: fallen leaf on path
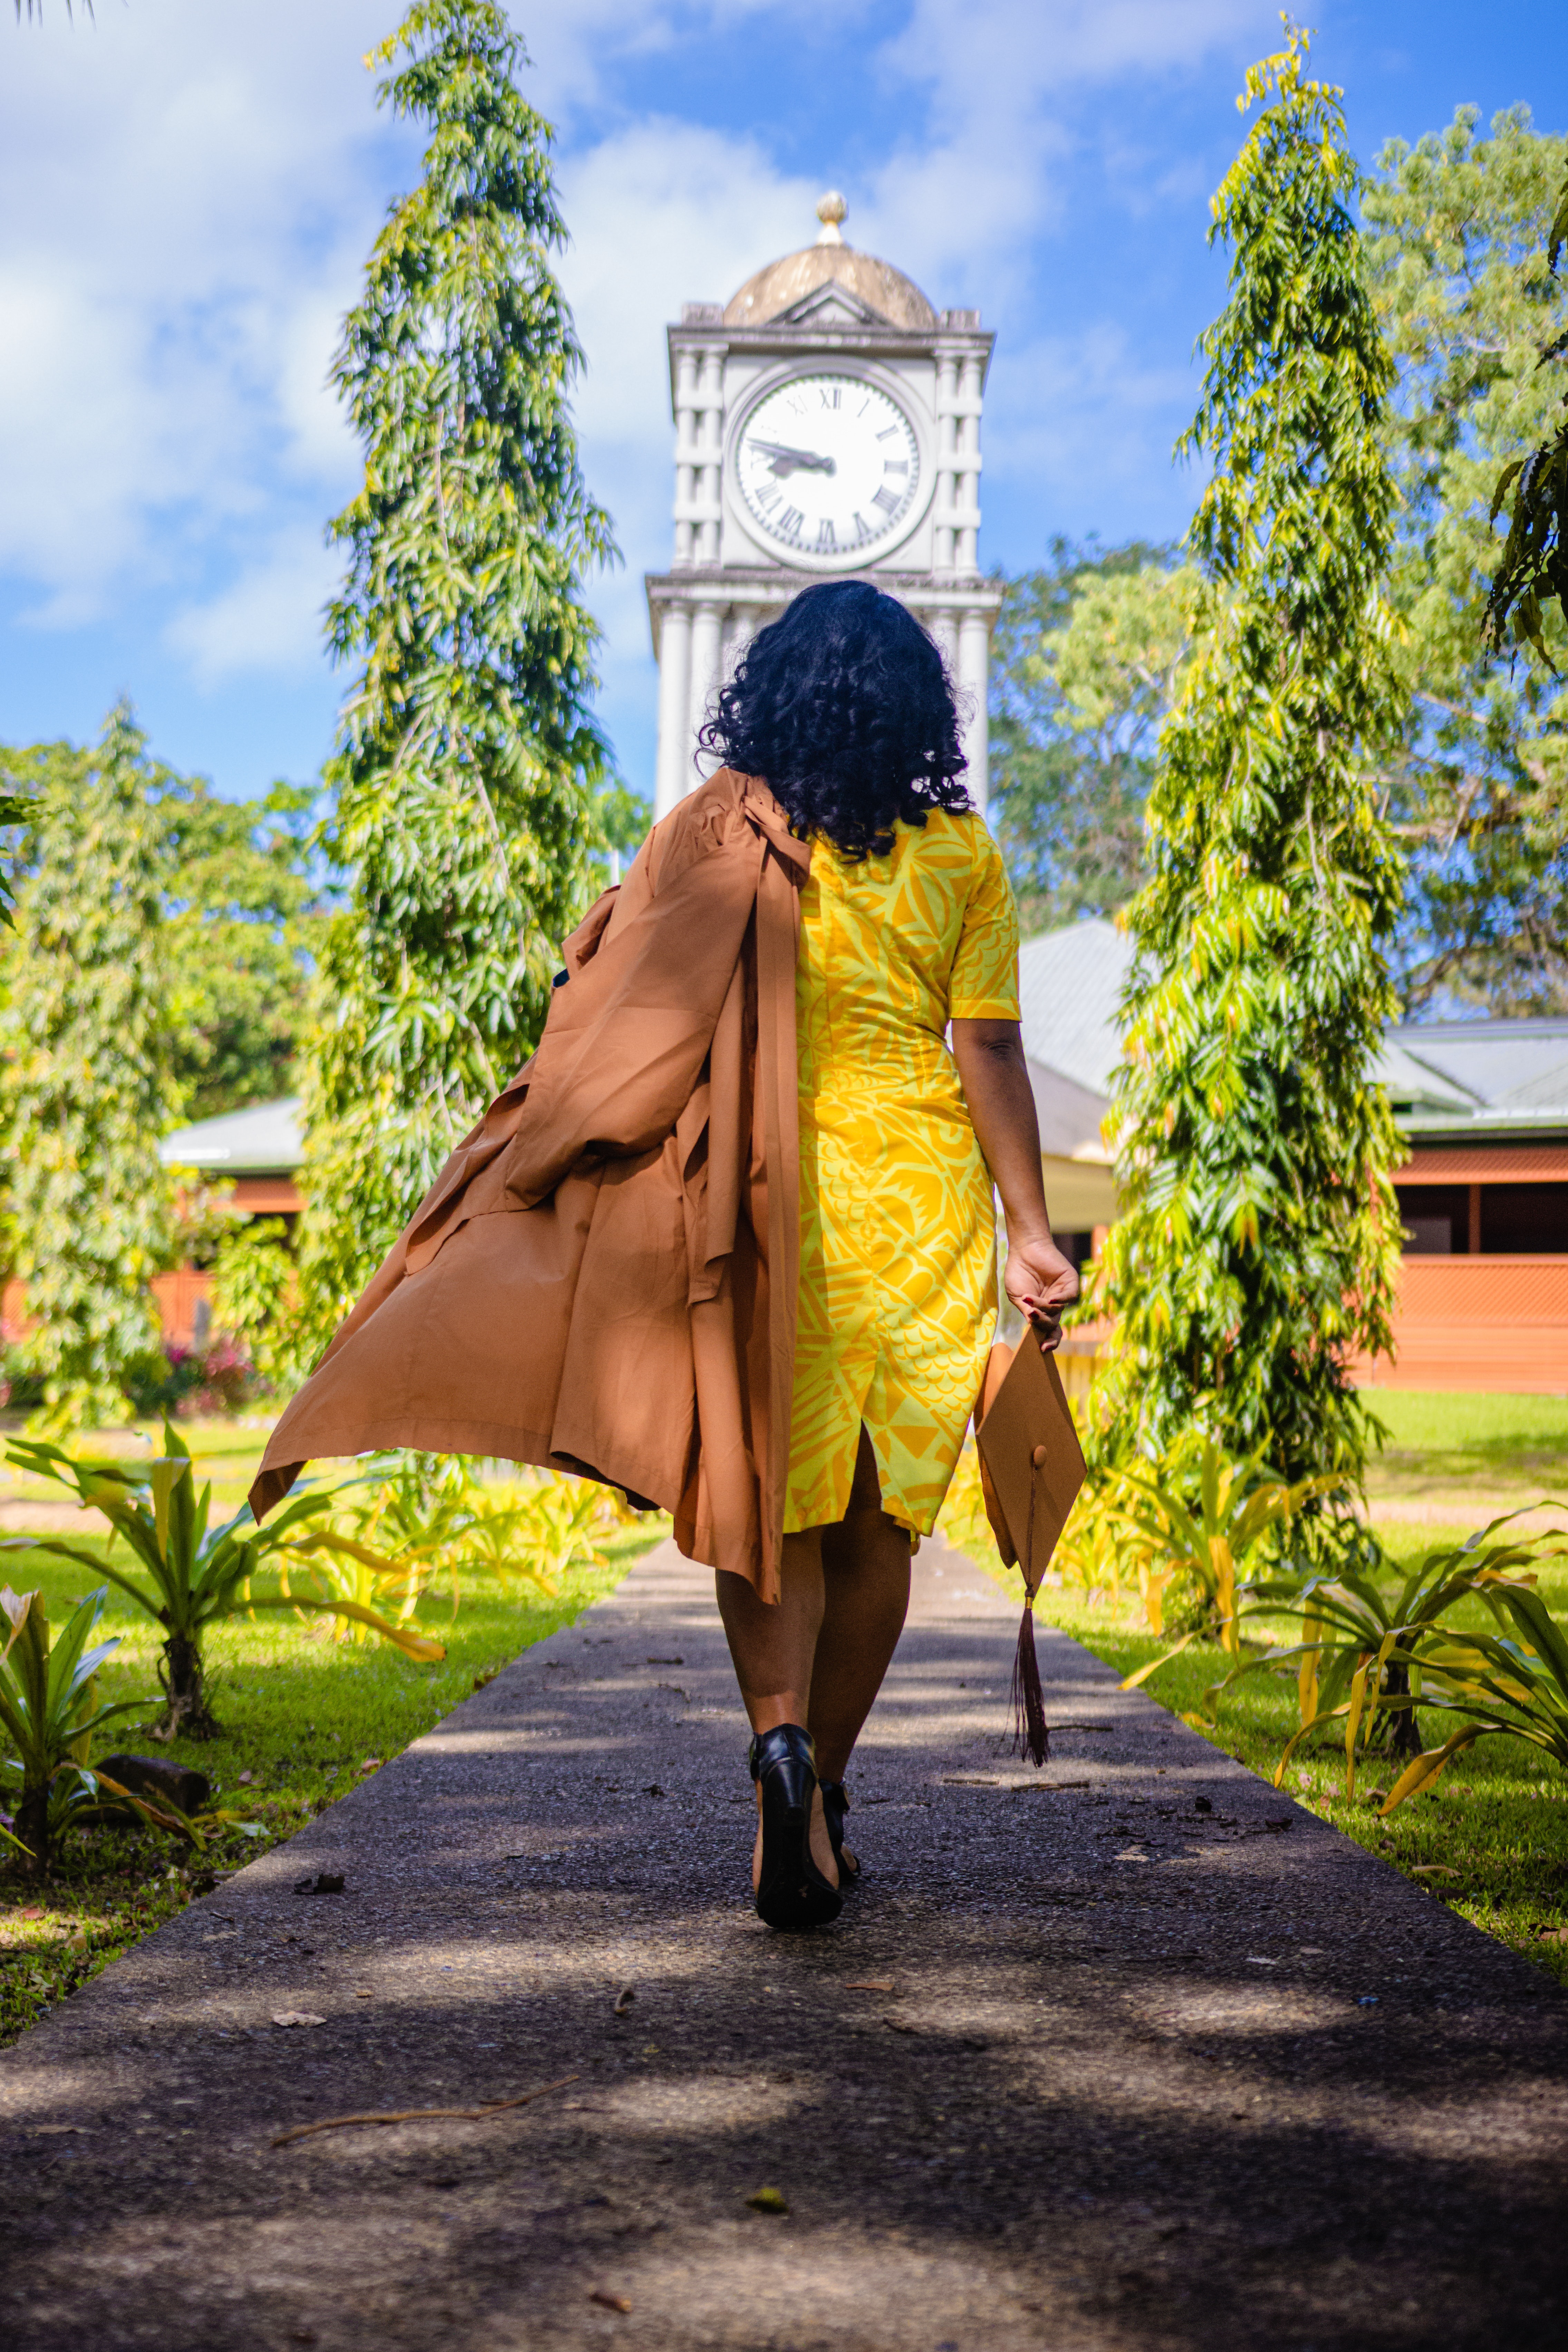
[[610, 2302], [371, 1764], [295, 2017], [624, 1999], [422, 2115], [768, 2200], [1433, 1870], [1554, 1935], [871, 1984], [900, 2025]]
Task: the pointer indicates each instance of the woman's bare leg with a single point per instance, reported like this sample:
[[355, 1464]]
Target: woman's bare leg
[[866, 1592], [774, 1646]]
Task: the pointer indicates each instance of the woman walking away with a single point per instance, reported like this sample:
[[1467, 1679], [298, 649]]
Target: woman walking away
[[725, 1241], [907, 925]]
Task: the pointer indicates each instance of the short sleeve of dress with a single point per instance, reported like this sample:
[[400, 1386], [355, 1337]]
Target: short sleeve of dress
[[983, 985]]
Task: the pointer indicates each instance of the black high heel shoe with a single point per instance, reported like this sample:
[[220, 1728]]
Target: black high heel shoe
[[834, 1806], [791, 1890]]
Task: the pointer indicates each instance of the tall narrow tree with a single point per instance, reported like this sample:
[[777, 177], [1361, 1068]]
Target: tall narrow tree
[[1254, 1146], [465, 778], [88, 1088]]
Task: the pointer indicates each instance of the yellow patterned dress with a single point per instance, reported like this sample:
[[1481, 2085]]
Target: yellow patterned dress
[[897, 1269]]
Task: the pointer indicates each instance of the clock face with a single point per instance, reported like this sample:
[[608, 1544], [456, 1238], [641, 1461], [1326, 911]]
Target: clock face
[[827, 466]]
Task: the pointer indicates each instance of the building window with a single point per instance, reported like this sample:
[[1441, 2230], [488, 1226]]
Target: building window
[[1436, 1218], [1524, 1220]]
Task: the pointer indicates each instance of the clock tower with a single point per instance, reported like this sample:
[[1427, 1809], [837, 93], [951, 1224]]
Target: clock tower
[[826, 425]]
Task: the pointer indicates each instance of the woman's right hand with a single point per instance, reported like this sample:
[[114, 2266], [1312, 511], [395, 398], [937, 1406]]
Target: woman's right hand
[[1040, 1282]]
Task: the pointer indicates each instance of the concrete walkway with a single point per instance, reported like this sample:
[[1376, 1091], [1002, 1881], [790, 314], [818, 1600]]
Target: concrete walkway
[[1133, 2053]]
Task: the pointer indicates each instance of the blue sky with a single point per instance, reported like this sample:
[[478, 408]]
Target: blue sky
[[188, 188]]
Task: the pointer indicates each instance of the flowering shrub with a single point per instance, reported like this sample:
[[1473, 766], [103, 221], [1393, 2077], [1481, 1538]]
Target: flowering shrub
[[214, 1377]]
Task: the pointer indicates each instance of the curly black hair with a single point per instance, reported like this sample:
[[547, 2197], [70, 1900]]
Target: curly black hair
[[844, 706]]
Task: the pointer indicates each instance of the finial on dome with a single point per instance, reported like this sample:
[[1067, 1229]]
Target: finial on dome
[[830, 210]]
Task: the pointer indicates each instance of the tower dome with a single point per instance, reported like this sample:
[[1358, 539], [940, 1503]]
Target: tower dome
[[883, 289]]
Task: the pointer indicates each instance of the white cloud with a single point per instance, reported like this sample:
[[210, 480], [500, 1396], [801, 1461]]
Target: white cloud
[[1078, 419], [188, 194], [269, 619]]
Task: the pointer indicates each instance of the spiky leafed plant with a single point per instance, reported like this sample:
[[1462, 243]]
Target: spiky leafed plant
[[466, 776], [48, 1715], [1260, 1240], [187, 1574], [86, 1088]]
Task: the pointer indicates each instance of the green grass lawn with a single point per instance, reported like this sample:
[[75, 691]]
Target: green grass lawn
[[1513, 1447], [1492, 1840], [226, 1450], [304, 1717]]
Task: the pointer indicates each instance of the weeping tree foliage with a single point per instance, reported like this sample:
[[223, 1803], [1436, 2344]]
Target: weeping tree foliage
[[14, 810], [466, 774], [88, 1088], [1534, 489], [1086, 663], [1261, 1235], [1457, 230]]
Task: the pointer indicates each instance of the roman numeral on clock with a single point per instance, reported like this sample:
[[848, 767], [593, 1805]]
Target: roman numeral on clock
[[790, 521], [887, 499], [825, 539], [862, 536], [831, 395], [895, 464]]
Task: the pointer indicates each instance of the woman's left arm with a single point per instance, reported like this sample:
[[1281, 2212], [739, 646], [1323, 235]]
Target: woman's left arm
[[1037, 1278]]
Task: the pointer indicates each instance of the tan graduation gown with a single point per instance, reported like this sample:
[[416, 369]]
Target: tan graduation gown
[[603, 1277]]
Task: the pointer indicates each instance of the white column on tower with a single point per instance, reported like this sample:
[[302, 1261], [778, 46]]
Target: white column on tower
[[947, 486], [973, 677], [966, 513], [674, 773], [707, 653], [710, 445], [944, 629], [686, 453]]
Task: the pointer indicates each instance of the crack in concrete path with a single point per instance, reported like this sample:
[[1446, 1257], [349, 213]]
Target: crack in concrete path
[[1133, 2052]]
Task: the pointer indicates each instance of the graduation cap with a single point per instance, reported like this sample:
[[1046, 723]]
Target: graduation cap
[[1031, 1467]]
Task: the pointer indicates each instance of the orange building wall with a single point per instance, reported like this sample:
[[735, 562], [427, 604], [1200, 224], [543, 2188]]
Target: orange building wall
[[1477, 1323]]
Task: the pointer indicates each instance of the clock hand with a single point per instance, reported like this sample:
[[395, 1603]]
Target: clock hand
[[788, 461]]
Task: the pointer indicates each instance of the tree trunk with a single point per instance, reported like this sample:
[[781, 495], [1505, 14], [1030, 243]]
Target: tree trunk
[[1404, 1734], [186, 1711], [32, 1826]]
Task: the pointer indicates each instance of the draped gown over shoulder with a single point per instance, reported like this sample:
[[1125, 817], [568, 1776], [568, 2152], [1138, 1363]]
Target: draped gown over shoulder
[[896, 1303]]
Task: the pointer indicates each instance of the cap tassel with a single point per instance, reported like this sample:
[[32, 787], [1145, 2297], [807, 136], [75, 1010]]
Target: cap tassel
[[1031, 1733]]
